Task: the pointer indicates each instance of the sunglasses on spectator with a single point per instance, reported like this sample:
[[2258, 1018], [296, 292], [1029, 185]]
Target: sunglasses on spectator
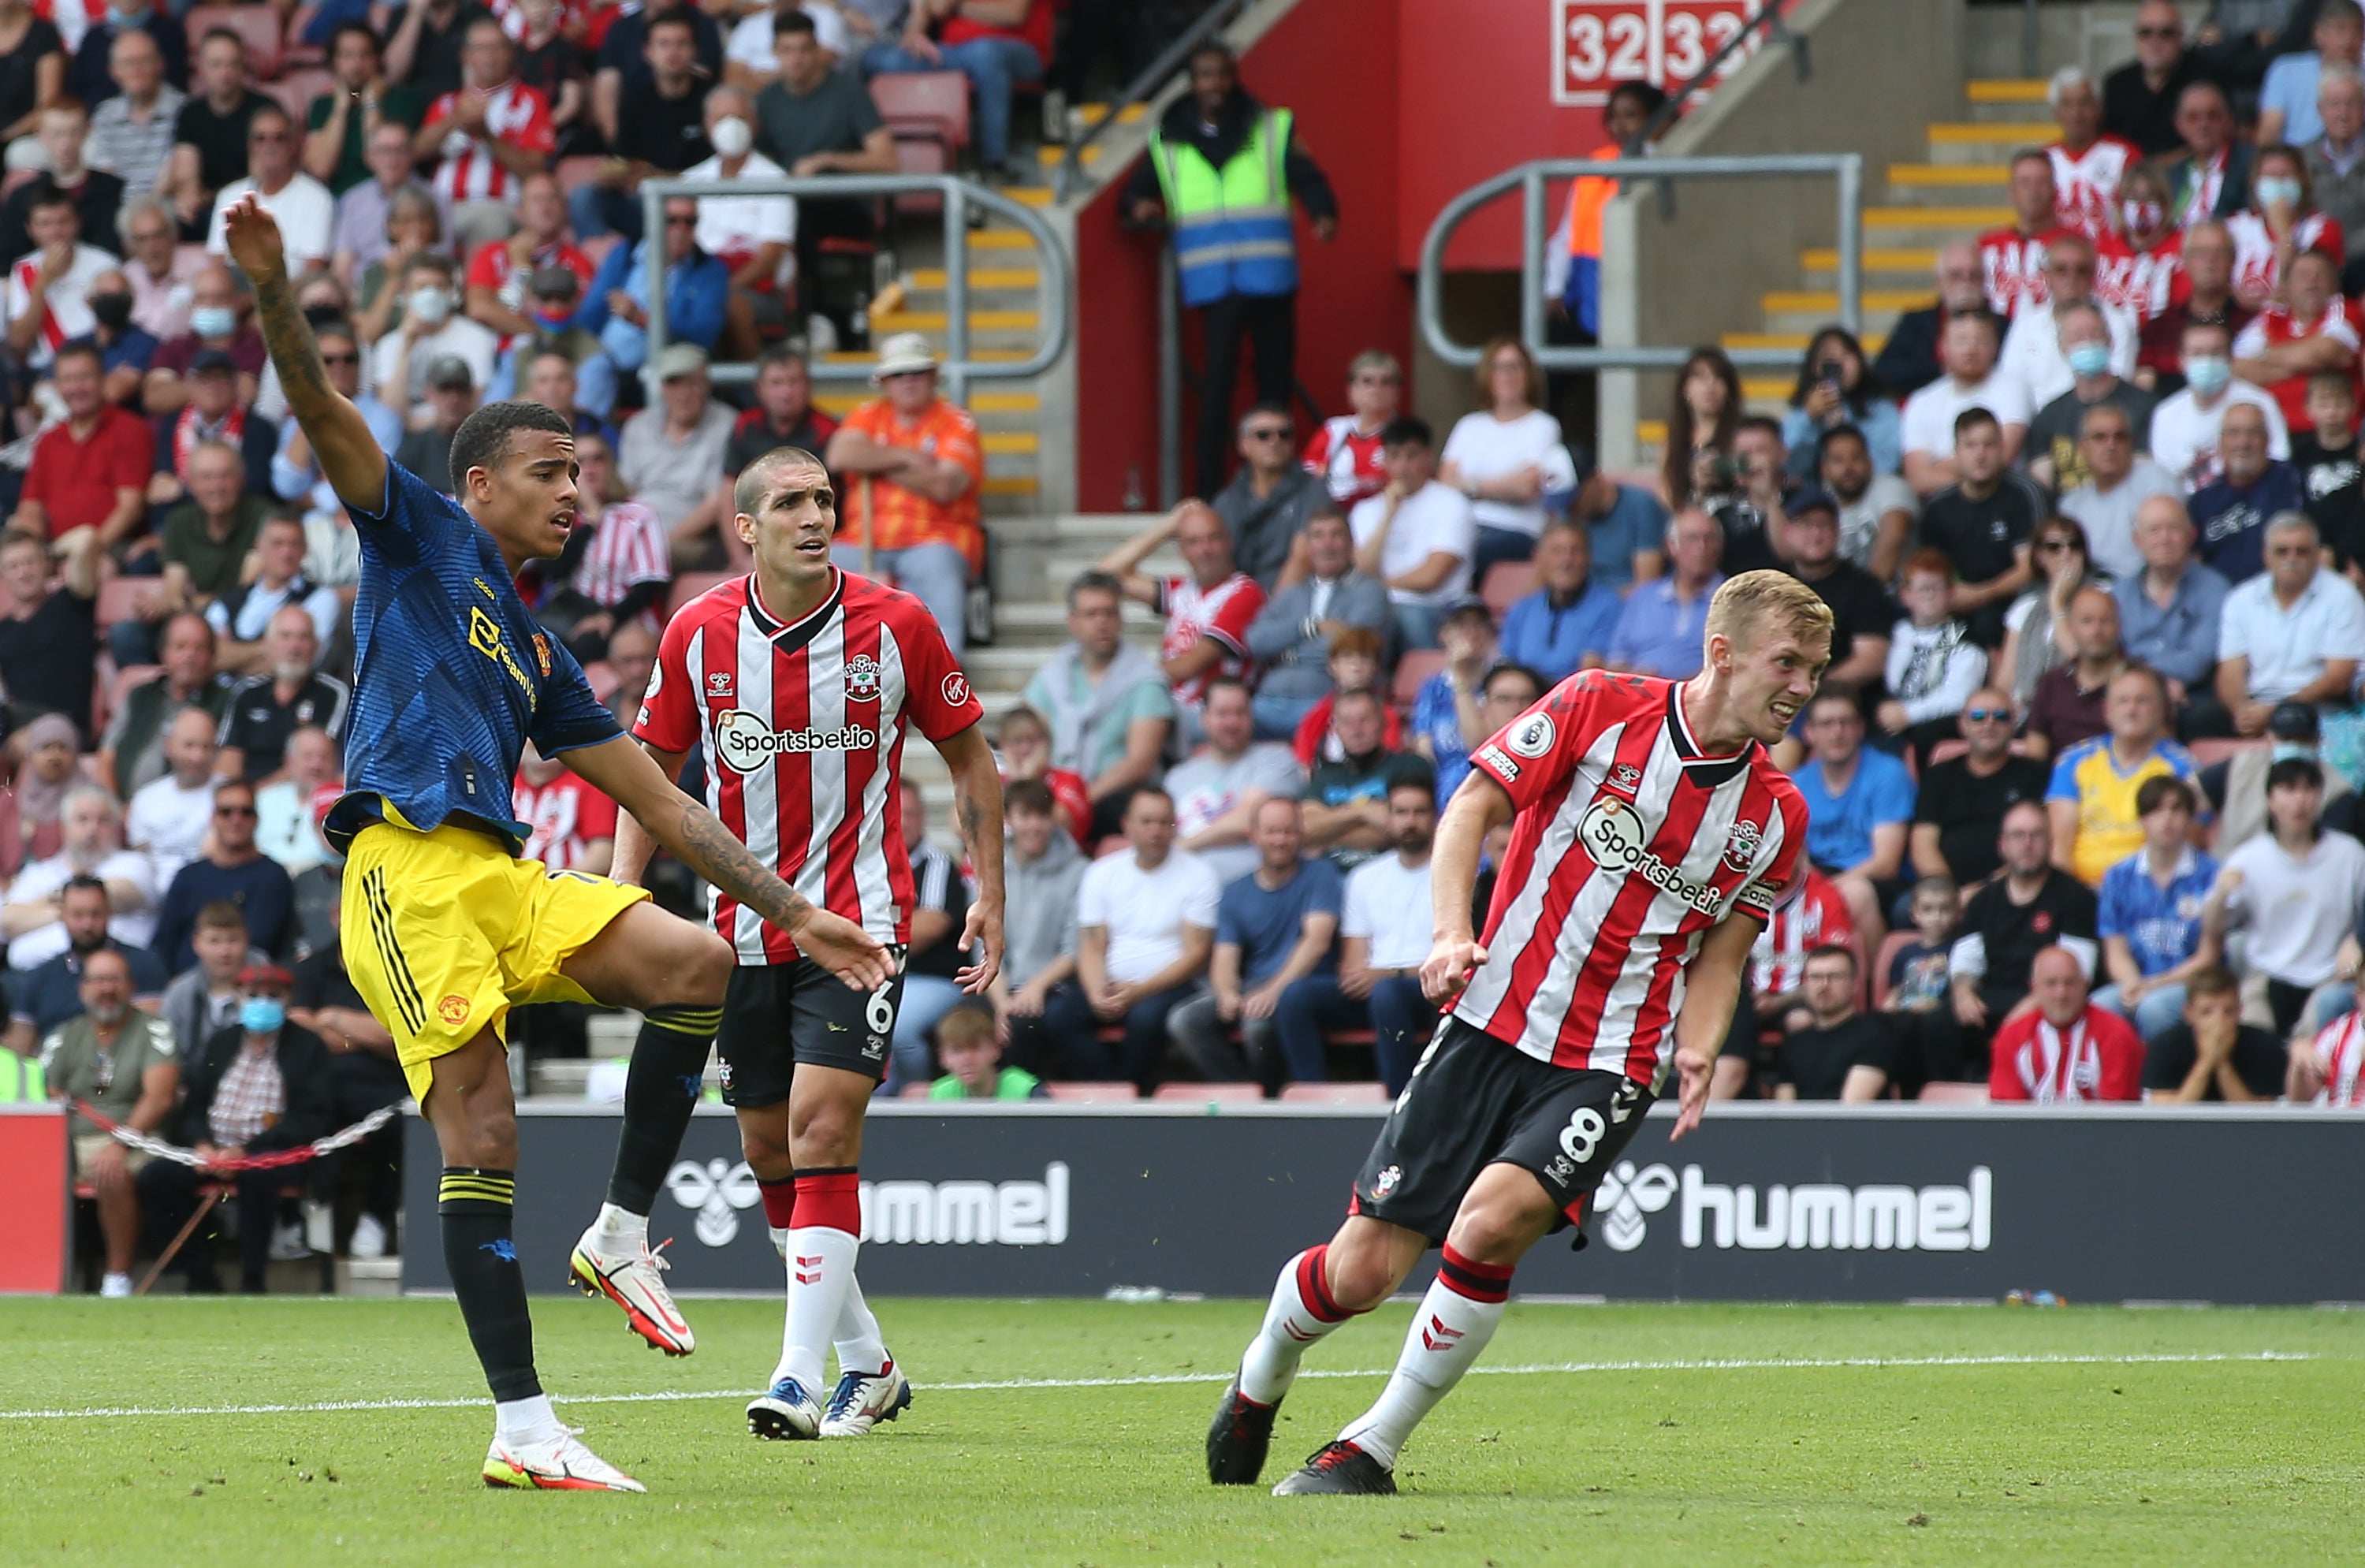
[[682, 220], [340, 358], [1268, 432], [2050, 546], [252, 135], [234, 810], [1988, 715], [2159, 32]]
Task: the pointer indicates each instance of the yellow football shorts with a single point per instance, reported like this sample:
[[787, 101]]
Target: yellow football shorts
[[445, 933]]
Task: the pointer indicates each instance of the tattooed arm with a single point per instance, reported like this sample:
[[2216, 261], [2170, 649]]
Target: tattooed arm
[[347, 453], [977, 806], [629, 776]]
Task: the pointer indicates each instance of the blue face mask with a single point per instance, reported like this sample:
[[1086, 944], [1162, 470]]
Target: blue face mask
[[2208, 373], [213, 320], [2276, 190], [2088, 359], [2283, 751], [261, 1014]]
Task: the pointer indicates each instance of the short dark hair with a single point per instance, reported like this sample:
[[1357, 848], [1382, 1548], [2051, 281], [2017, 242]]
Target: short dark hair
[[1222, 683], [777, 353], [1972, 418], [748, 493], [790, 19], [2294, 771], [214, 34], [1027, 795], [672, 19], [1355, 694], [1094, 582], [1840, 691], [47, 195], [82, 882], [1832, 951], [1841, 432], [1764, 424], [75, 350], [1644, 97], [1507, 667], [2215, 980], [483, 437], [1426, 786], [1405, 430], [337, 36], [2158, 790], [268, 109]]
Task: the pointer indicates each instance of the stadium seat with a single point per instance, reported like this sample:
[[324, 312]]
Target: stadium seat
[[924, 102], [1893, 943], [921, 154], [258, 25], [602, 675], [1229, 1093], [2206, 754], [1415, 669], [1334, 1094], [121, 598], [295, 91], [1093, 1093], [1507, 583], [1954, 1094], [578, 172], [690, 585]]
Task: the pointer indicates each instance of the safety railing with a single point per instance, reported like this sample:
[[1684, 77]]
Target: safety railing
[[1538, 225], [960, 199], [1152, 79]]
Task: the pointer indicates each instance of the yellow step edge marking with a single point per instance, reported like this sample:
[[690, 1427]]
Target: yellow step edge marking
[[1010, 484], [2006, 90], [979, 277], [1651, 432], [999, 356], [1795, 342], [1914, 175], [1935, 216], [1052, 157], [1765, 389], [841, 403], [937, 321], [1977, 133], [1009, 443], [1876, 259], [1828, 300], [1000, 240]]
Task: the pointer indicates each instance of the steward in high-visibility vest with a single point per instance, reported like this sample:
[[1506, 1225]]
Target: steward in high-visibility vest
[[20, 1079], [1221, 171]]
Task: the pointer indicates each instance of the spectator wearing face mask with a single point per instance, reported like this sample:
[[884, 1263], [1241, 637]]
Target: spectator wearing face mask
[[431, 330]]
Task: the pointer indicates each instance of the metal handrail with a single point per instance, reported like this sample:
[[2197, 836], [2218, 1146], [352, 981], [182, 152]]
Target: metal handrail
[[1143, 87], [1846, 168], [958, 196], [1768, 21]]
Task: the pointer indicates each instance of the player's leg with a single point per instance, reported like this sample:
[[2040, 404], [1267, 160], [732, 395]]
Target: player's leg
[[675, 972], [469, 1105]]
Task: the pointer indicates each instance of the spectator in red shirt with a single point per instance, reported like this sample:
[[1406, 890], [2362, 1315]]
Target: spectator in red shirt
[[499, 269], [490, 134], [2013, 258], [997, 44], [218, 303], [573, 826], [92, 471], [1345, 452], [1024, 741], [1207, 612], [783, 415], [2065, 1049]]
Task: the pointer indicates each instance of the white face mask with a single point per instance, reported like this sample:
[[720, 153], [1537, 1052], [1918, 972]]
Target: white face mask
[[430, 304], [732, 137]]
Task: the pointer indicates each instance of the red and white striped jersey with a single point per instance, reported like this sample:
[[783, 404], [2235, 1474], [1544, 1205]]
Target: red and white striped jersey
[[1222, 612], [2274, 327], [2085, 186], [2013, 266], [514, 113], [804, 729], [1628, 845], [2258, 264], [2341, 1044], [1817, 917], [628, 548], [565, 814], [2098, 1056], [1346, 460], [2142, 281]]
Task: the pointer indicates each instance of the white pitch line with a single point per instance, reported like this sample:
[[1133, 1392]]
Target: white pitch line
[[1162, 1379]]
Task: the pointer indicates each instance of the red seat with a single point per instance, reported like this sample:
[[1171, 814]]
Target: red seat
[[1507, 583], [1229, 1093], [1954, 1094], [1893, 943], [690, 585], [1093, 1093], [602, 677], [578, 171], [1335, 1093], [2208, 753], [258, 25], [295, 91], [927, 103], [1946, 751], [1412, 671], [122, 598]]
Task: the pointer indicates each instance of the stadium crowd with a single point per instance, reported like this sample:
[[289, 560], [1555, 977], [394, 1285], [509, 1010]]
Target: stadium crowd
[[2083, 773]]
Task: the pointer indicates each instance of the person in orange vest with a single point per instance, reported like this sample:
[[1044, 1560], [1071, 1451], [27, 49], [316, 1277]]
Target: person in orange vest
[[1572, 265]]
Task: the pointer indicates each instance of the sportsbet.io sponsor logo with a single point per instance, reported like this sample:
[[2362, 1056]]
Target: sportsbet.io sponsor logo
[[1818, 1217], [1613, 833], [745, 742]]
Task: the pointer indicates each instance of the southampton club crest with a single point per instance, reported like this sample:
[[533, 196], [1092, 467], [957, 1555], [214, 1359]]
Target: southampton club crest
[[1740, 844], [862, 679]]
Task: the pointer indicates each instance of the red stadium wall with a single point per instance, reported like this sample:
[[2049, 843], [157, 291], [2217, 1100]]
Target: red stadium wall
[[1334, 64]]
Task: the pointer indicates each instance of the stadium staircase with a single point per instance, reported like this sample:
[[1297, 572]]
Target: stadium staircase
[[1955, 193]]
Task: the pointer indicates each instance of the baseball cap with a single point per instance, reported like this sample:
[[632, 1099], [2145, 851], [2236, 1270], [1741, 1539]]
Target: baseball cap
[[680, 359], [1812, 499], [265, 974], [2294, 722], [205, 360], [451, 373]]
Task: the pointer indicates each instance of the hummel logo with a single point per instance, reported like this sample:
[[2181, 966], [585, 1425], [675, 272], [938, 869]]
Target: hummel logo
[[809, 1279], [1437, 1336]]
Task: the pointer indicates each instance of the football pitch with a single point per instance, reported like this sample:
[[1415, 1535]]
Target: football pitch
[[330, 1432]]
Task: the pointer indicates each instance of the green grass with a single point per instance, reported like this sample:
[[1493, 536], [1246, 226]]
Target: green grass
[[2119, 1460]]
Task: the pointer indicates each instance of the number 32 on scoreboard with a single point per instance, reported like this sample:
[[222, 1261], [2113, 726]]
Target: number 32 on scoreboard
[[1598, 43]]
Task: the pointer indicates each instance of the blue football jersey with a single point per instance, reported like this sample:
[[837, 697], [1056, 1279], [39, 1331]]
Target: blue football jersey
[[452, 676]]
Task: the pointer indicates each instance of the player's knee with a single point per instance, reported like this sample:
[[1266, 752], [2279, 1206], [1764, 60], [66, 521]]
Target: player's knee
[[767, 1154], [707, 966]]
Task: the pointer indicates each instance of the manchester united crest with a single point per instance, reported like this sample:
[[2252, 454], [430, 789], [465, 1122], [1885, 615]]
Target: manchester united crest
[[542, 653]]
